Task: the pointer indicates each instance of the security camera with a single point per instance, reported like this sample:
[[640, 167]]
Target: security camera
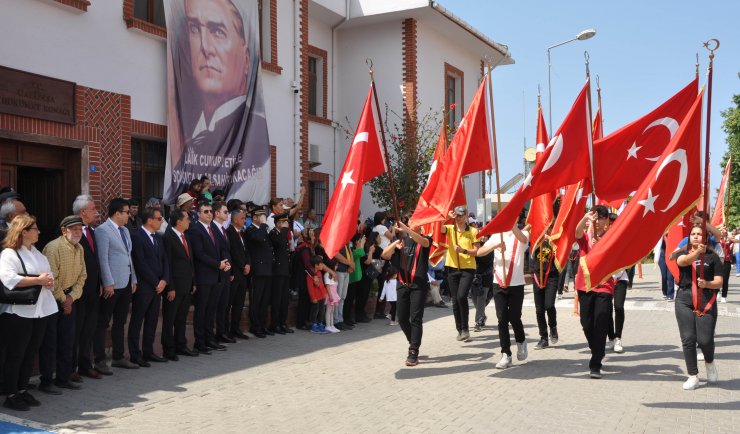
[[295, 86]]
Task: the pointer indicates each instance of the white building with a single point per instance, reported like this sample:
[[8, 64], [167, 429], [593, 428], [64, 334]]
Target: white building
[[314, 76]]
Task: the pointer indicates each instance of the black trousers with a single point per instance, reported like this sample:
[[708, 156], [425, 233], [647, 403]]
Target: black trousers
[[174, 318], [726, 270], [318, 310], [144, 312], [544, 303], [280, 296], [260, 302], [223, 323], [205, 300], [57, 347], [631, 275], [460, 281], [595, 309], [695, 330], [508, 302], [238, 296], [410, 311], [348, 313], [22, 338], [115, 307], [87, 310], [616, 323], [361, 297]]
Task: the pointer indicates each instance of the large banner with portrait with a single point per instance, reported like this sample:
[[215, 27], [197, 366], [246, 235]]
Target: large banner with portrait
[[215, 110]]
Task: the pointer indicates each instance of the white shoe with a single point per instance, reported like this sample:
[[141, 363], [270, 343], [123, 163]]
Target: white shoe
[[505, 362], [392, 323], [609, 344], [560, 296], [712, 374], [332, 329], [521, 351], [692, 383], [618, 348], [737, 275], [699, 356], [722, 300]]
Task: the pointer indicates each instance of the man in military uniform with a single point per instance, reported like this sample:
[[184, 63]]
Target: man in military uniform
[[260, 249]]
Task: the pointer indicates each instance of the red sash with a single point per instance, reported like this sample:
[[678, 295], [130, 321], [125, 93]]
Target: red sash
[[413, 269], [511, 266], [547, 273], [696, 295]]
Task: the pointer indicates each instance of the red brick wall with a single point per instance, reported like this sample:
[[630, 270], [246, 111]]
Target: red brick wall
[[136, 23], [410, 96], [318, 52], [77, 4], [305, 169], [148, 130], [273, 66]]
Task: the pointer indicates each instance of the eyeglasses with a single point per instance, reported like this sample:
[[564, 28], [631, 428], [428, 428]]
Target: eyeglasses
[[33, 228]]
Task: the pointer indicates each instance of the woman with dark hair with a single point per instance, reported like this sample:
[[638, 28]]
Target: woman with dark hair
[[386, 237], [371, 258], [696, 311], [23, 326], [301, 267]]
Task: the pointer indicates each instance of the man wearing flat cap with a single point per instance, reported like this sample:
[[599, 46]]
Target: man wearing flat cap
[[260, 250], [67, 261]]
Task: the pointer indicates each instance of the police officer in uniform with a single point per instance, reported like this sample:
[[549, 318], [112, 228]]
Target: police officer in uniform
[[258, 244], [280, 274]]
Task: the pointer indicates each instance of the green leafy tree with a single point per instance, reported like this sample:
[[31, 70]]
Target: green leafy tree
[[731, 126]]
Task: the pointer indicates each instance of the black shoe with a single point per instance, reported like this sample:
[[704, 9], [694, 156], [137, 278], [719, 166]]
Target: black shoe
[[155, 358], [49, 389], [259, 335], [225, 338], [215, 346], [304, 327], [267, 332], [287, 329], [67, 385], [379, 315], [203, 350], [364, 319], [277, 330], [348, 326], [477, 328], [240, 334], [554, 335], [15, 402], [143, 363], [340, 326], [187, 352], [595, 374], [172, 357], [413, 358], [29, 399], [542, 344]]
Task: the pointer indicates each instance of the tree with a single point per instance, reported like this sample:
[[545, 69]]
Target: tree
[[731, 126]]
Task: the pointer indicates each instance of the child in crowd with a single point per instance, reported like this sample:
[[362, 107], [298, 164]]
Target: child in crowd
[[389, 292], [317, 292], [332, 300]]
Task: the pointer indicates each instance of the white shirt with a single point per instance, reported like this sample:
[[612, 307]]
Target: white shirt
[[225, 110], [149, 235], [622, 275], [516, 277], [36, 263], [389, 290], [384, 241]]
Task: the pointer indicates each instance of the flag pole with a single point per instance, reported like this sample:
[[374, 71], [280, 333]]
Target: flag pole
[[712, 45], [599, 108], [369, 64], [495, 162], [539, 110], [591, 138]]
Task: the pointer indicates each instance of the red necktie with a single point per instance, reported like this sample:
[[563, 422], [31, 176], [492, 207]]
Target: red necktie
[[210, 232], [185, 243], [88, 235], [225, 237]]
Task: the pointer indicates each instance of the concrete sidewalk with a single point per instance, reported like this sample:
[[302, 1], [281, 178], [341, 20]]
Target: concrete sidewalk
[[355, 381]]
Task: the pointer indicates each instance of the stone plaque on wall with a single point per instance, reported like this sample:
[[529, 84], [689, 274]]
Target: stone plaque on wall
[[36, 96]]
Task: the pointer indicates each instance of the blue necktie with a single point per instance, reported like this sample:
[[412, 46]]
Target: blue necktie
[[123, 237]]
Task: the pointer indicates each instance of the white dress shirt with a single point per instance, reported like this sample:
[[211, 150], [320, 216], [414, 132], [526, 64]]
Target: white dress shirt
[[10, 270]]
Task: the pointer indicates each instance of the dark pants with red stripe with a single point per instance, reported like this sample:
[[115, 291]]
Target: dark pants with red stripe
[[596, 312], [695, 330]]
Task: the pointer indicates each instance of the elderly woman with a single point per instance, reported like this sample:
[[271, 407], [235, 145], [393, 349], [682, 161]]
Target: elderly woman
[[23, 326]]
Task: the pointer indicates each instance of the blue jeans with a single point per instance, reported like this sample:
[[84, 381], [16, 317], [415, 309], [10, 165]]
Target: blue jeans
[[737, 262], [667, 283]]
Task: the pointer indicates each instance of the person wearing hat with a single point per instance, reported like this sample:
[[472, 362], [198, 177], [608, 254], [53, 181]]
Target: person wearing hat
[[67, 261], [463, 243], [279, 238], [261, 252]]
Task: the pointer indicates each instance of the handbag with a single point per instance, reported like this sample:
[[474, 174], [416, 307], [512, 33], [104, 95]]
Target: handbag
[[373, 270], [27, 295]]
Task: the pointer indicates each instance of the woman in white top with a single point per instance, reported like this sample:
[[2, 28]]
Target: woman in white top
[[385, 236], [23, 326]]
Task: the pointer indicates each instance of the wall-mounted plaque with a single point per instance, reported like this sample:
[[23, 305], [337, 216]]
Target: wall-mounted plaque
[[36, 96]]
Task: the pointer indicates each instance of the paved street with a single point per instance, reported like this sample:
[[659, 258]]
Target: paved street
[[355, 381]]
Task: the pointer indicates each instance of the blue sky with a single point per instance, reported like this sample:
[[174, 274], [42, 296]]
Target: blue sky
[[643, 52]]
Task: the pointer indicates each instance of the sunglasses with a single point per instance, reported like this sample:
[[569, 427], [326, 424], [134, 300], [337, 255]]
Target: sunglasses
[[206, 211]]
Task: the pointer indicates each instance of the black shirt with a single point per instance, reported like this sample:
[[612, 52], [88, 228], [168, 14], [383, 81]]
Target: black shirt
[[548, 260], [712, 268], [410, 256]]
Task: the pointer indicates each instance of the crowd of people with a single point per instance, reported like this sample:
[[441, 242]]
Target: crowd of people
[[59, 304]]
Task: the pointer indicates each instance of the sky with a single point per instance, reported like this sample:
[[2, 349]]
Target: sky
[[643, 52]]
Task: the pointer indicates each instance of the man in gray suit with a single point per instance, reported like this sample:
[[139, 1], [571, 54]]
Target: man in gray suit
[[119, 283]]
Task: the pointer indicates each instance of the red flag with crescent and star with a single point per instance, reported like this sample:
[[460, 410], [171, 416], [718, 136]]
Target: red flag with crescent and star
[[718, 217], [564, 161], [540, 212], [364, 162], [677, 232], [623, 159], [668, 191]]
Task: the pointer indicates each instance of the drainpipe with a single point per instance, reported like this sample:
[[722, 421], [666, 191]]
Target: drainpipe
[[335, 123], [296, 87]]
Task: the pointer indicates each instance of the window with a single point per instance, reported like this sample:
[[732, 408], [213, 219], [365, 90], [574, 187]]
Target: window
[[147, 168], [313, 97], [317, 85], [151, 11], [317, 198], [453, 95], [267, 13]]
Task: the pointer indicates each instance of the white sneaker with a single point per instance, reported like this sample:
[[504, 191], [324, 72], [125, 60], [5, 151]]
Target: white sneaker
[[505, 362], [737, 275], [692, 383], [332, 329], [521, 351], [712, 374], [609, 344], [618, 348], [699, 356], [722, 300]]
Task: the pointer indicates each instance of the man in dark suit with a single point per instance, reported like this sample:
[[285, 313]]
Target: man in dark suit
[[260, 250], [280, 274], [89, 305], [153, 275], [240, 260], [176, 304], [221, 222], [210, 266]]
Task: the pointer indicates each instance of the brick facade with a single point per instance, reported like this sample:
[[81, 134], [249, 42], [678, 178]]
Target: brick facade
[[136, 23], [318, 52], [410, 97], [305, 168], [77, 4], [148, 130], [272, 65]]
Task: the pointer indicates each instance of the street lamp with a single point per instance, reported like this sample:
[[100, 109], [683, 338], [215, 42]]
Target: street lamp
[[586, 34]]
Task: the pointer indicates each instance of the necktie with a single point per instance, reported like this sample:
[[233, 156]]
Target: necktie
[[123, 237], [88, 235], [210, 232], [225, 237], [185, 243], [154, 240]]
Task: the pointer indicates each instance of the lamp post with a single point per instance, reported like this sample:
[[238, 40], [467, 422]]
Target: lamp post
[[586, 34]]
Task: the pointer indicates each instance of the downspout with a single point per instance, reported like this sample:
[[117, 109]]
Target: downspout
[[296, 87], [335, 123]]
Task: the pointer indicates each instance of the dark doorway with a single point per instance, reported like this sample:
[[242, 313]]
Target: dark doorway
[[43, 193]]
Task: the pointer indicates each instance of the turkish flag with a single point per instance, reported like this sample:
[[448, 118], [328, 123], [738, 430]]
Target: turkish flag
[[540, 213], [668, 191], [364, 162], [469, 152], [564, 161], [677, 232], [718, 217], [438, 248], [572, 209], [623, 159]]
